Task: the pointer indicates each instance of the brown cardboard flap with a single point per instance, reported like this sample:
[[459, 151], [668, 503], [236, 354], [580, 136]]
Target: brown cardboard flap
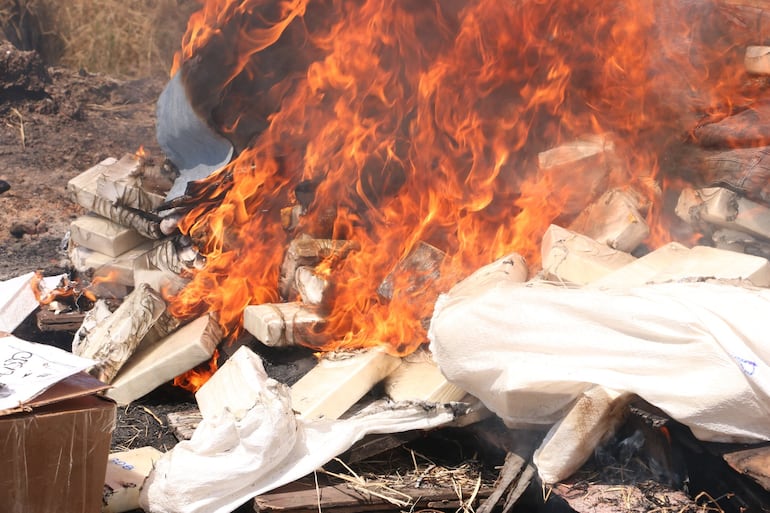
[[77, 385]]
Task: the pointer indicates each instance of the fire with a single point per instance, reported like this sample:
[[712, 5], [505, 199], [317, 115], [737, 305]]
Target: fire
[[72, 294], [195, 378], [421, 122]]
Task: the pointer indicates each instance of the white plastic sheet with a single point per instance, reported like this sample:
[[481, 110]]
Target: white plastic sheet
[[698, 351], [235, 455]]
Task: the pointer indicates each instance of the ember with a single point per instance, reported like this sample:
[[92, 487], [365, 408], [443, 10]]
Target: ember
[[426, 123]]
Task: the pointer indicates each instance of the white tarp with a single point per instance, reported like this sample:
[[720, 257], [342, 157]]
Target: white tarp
[[698, 351], [238, 454]]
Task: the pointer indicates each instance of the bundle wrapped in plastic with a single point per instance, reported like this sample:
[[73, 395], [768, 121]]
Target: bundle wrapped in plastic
[[529, 350]]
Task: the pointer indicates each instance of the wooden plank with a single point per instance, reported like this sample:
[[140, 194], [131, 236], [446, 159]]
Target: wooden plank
[[48, 320], [511, 471], [339, 381], [192, 344], [343, 498], [184, 423], [754, 462], [102, 235], [575, 259], [614, 220], [280, 324]]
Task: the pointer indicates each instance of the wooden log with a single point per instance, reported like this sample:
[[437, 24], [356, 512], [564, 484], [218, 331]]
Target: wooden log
[[82, 190], [126, 473], [338, 381], [712, 207], [102, 235], [114, 339], [281, 324], [417, 271], [190, 345], [613, 219], [118, 269], [184, 423], [418, 378], [130, 182], [588, 161], [306, 251], [576, 259], [514, 478], [594, 417]]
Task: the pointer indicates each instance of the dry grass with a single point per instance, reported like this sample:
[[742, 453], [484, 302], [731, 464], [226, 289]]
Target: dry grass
[[125, 38]]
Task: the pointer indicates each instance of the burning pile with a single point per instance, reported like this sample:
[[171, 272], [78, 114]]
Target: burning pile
[[392, 125], [375, 155]]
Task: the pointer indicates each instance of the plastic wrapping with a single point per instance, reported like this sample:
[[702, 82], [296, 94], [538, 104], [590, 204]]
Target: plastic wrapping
[[696, 350], [237, 453]]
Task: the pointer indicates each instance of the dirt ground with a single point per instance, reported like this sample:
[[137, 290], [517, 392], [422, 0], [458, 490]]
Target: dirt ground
[[54, 124]]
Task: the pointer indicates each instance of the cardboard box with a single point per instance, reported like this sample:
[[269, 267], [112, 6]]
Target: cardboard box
[[54, 456]]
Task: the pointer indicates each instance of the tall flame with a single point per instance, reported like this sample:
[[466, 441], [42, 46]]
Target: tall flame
[[421, 121]]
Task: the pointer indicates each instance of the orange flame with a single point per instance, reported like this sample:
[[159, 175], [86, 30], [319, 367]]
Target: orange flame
[[196, 377], [422, 121]]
